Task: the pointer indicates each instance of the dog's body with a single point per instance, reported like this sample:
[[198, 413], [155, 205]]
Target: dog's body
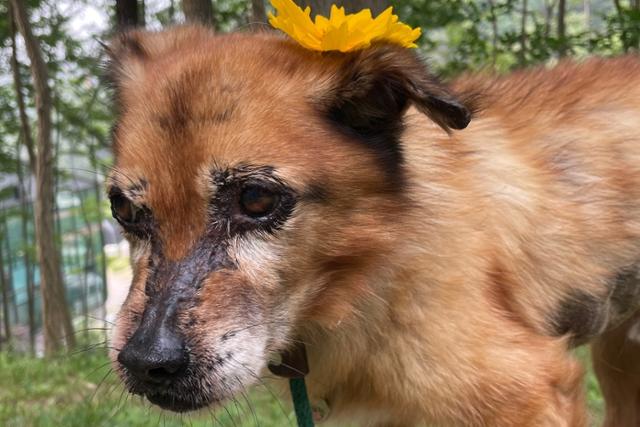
[[525, 226], [436, 277]]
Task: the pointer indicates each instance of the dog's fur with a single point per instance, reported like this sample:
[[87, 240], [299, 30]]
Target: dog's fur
[[437, 276]]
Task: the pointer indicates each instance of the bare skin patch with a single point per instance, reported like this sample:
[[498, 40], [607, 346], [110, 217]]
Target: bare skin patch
[[583, 316], [625, 295], [579, 315]]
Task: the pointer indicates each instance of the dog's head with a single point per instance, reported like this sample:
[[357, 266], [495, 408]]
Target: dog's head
[[258, 183]]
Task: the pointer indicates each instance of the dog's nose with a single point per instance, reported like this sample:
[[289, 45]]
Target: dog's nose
[[158, 356]]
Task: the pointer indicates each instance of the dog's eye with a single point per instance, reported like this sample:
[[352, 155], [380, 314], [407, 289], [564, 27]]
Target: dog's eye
[[257, 201], [124, 210]]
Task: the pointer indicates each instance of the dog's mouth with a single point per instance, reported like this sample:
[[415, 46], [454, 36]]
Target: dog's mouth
[[189, 390], [178, 402], [175, 396]]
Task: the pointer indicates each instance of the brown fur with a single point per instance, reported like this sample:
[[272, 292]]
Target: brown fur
[[432, 290]]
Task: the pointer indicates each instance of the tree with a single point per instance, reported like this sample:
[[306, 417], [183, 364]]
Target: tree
[[127, 14], [25, 128], [258, 12], [562, 32], [27, 139], [56, 316], [199, 12], [4, 288], [523, 33], [323, 7]]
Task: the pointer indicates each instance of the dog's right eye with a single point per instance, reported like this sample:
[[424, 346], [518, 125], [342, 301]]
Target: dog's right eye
[[124, 211], [257, 201]]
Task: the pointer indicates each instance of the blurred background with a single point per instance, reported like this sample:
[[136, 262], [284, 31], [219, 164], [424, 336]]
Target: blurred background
[[64, 267]]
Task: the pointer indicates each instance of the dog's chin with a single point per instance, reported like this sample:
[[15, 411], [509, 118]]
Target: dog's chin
[[176, 396], [179, 403]]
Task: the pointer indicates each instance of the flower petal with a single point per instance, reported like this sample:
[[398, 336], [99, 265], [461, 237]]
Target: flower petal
[[341, 31]]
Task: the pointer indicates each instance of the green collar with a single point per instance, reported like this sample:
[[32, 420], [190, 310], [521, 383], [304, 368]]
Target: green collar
[[301, 404], [295, 367]]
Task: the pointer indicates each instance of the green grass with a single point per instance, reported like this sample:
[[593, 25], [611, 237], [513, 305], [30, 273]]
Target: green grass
[[72, 391], [594, 397]]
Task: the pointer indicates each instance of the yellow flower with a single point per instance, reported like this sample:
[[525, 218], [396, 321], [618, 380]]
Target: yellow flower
[[340, 32]]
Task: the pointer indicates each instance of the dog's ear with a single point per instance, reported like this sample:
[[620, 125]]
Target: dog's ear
[[127, 54], [130, 53], [372, 88]]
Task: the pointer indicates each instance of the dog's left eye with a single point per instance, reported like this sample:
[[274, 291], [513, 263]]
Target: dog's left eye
[[257, 201]]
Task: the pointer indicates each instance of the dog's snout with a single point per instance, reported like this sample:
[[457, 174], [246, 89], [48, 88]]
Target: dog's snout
[[155, 356]]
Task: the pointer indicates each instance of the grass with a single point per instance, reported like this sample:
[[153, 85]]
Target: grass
[[594, 397], [72, 391]]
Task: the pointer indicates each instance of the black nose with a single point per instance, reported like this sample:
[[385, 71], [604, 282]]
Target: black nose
[[157, 356]]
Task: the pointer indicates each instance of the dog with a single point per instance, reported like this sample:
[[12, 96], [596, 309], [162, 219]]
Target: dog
[[438, 249]]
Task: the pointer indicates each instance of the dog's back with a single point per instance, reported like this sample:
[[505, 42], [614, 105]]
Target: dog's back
[[564, 183], [544, 186]]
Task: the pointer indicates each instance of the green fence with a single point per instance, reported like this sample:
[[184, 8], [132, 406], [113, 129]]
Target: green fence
[[79, 216]]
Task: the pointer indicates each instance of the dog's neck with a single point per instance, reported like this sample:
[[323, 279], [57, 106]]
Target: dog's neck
[[362, 355], [360, 351]]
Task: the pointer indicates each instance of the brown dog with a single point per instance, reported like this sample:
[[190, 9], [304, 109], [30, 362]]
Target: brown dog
[[277, 195]]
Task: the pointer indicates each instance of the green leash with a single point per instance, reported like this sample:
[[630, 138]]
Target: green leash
[[295, 367], [301, 404]]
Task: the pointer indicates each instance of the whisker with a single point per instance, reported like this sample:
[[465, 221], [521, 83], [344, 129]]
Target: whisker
[[231, 417], [76, 169], [117, 408], [215, 419], [117, 172], [293, 369], [83, 350], [109, 372], [262, 383], [98, 368], [100, 319], [243, 394]]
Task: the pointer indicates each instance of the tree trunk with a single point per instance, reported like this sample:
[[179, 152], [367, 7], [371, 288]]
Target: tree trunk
[[562, 35], [522, 55], [623, 32], [127, 14], [323, 7], [25, 128], [142, 14], [494, 31], [56, 316], [27, 139], [5, 299], [258, 12], [549, 7], [172, 12], [586, 7], [9, 283], [26, 257], [199, 12]]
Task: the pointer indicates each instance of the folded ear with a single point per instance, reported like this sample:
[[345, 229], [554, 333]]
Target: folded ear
[[374, 87]]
